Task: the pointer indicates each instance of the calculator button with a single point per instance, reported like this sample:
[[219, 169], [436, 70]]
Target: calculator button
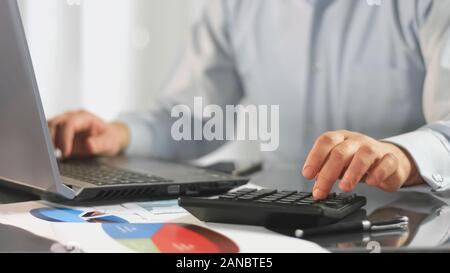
[[243, 192], [265, 193], [289, 200], [302, 202], [350, 198], [227, 197], [306, 194], [309, 199], [270, 199], [274, 197], [302, 195], [288, 193], [283, 202], [264, 201], [333, 204], [332, 195], [296, 197], [246, 198]]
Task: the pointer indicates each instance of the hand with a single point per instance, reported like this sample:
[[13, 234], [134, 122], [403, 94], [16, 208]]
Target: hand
[[355, 157], [83, 134]]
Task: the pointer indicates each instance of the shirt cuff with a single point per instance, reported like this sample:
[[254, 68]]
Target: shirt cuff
[[430, 153], [141, 136]]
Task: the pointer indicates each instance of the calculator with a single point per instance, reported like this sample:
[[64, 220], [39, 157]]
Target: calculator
[[273, 208]]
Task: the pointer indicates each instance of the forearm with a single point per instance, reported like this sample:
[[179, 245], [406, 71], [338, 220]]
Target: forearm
[[150, 134]]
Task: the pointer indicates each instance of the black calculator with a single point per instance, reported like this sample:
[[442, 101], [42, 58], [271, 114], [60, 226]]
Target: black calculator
[[268, 207]]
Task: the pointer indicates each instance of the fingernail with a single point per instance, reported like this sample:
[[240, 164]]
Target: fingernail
[[345, 186], [309, 172], [370, 181], [319, 194], [346, 183]]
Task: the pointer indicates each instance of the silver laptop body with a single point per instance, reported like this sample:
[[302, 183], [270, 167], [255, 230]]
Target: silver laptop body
[[27, 155]]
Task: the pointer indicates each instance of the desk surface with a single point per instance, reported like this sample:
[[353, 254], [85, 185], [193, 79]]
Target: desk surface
[[429, 216]]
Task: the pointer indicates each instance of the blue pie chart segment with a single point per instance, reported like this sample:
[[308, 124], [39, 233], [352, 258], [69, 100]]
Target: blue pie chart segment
[[132, 231], [67, 215]]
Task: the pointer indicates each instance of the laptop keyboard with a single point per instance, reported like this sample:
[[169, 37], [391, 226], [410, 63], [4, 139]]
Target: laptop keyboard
[[104, 175]]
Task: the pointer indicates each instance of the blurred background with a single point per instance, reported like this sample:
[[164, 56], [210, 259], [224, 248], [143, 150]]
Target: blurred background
[[110, 56], [106, 56]]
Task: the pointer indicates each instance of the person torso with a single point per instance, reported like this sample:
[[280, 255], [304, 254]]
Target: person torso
[[330, 65]]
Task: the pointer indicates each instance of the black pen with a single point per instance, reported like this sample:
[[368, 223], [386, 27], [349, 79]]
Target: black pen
[[355, 226]]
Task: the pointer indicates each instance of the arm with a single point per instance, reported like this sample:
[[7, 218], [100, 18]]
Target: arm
[[430, 146], [410, 159], [206, 69]]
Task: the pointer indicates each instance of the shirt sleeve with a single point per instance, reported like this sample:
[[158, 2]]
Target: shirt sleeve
[[205, 69], [430, 145]]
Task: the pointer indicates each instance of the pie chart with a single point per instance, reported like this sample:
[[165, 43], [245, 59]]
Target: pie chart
[[169, 238], [66, 215]]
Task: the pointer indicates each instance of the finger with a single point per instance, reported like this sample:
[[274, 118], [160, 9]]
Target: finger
[[339, 158], [54, 123], [80, 146], [319, 153], [59, 118], [391, 184], [52, 126], [67, 130], [64, 137], [386, 167], [52, 130], [363, 160]]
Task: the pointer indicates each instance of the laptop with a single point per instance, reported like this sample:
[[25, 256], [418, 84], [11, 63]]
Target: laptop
[[27, 157]]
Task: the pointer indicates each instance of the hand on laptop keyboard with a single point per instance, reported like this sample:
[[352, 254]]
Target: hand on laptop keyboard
[[83, 134]]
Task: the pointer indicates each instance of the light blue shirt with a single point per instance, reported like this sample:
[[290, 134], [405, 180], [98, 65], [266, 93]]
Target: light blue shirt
[[330, 64]]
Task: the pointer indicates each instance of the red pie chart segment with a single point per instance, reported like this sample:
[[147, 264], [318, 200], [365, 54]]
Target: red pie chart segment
[[178, 239], [224, 244], [170, 238]]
